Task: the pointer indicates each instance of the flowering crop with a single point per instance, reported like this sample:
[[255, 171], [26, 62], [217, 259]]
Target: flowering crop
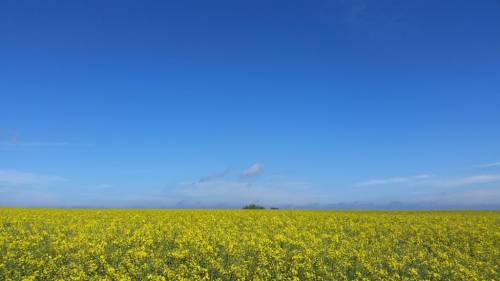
[[53, 244]]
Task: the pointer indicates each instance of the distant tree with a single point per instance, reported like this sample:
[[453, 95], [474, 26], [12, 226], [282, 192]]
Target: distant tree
[[274, 208], [253, 207]]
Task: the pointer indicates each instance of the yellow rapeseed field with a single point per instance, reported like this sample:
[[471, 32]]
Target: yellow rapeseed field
[[53, 244]]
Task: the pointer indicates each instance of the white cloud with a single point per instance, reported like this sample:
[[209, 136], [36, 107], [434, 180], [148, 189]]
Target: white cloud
[[4, 145], [477, 197], [237, 193], [430, 181], [35, 144], [467, 181], [28, 198], [490, 165], [212, 177], [16, 178], [103, 186], [393, 180], [253, 170]]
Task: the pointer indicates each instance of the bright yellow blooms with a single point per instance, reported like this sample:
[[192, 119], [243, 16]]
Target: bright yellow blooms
[[160, 245]]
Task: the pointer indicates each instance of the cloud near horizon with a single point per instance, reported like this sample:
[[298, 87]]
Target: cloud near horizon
[[393, 180], [237, 192], [431, 181], [465, 198], [469, 180], [18, 178], [220, 189]]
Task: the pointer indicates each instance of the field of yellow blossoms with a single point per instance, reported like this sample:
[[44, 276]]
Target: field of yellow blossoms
[[53, 244]]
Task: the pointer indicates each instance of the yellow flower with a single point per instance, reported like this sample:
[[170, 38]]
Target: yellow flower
[[160, 245]]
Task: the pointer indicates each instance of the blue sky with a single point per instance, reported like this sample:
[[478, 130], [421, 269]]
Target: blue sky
[[299, 104]]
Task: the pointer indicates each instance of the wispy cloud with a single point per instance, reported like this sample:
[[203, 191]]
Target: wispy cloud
[[29, 198], [236, 193], [35, 144], [475, 197], [490, 165], [222, 190], [467, 181], [431, 181], [214, 176], [102, 186], [17, 178], [13, 139], [393, 180], [253, 170]]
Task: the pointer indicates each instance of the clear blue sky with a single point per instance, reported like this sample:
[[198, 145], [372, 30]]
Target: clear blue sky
[[220, 103]]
